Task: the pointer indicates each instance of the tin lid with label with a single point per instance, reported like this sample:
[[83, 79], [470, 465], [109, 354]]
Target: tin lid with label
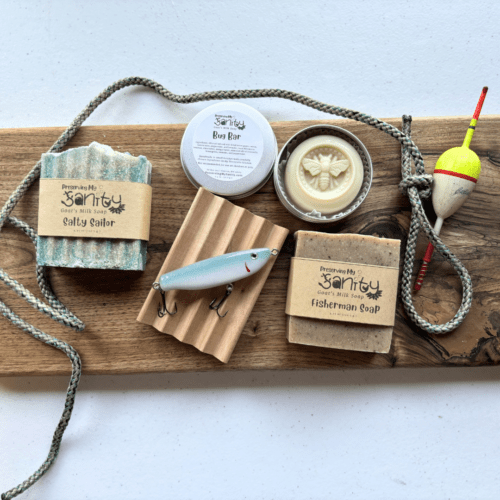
[[230, 149]]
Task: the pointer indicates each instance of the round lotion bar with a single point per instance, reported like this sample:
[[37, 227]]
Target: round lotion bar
[[324, 173]]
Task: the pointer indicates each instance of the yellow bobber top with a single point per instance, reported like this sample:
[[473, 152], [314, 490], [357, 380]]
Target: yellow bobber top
[[461, 160]]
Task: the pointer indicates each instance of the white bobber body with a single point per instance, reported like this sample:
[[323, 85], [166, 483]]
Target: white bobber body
[[450, 192]]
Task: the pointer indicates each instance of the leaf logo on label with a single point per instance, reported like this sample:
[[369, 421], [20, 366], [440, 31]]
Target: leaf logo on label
[[117, 210], [374, 296]]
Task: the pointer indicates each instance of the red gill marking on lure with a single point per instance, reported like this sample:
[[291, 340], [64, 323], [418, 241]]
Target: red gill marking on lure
[[247, 267]]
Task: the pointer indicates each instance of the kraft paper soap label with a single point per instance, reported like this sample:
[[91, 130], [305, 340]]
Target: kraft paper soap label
[[228, 145], [86, 208], [342, 291]]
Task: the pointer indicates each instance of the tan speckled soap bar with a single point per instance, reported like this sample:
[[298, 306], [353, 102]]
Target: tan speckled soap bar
[[354, 249]]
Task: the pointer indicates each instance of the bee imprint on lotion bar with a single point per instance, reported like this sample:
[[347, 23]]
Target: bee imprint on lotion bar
[[325, 169]]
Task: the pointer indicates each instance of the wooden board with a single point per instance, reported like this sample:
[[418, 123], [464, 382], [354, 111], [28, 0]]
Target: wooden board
[[108, 301]]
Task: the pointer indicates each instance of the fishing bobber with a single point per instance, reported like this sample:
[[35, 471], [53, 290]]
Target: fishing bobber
[[455, 177]]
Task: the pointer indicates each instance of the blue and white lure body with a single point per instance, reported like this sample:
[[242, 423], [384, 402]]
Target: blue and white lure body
[[216, 271]]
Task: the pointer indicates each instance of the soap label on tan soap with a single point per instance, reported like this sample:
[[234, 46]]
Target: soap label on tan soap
[[342, 291]]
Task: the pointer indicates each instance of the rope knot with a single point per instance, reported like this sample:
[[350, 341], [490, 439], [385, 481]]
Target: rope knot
[[423, 183]]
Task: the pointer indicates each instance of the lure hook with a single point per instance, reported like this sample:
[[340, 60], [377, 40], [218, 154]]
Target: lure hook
[[162, 308], [215, 307]]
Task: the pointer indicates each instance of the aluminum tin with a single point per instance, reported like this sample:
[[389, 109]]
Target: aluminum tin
[[284, 155], [251, 183]]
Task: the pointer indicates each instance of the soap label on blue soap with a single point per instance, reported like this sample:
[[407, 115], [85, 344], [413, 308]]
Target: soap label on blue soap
[[87, 208]]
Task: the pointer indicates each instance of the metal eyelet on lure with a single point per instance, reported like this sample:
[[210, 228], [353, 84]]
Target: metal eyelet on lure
[[213, 272]]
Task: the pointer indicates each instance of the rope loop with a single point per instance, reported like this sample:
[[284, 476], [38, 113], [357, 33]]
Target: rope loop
[[419, 221]]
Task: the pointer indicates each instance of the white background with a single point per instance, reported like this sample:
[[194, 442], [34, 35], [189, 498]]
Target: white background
[[412, 434]]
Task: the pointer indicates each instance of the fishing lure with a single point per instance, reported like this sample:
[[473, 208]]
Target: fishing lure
[[213, 272]]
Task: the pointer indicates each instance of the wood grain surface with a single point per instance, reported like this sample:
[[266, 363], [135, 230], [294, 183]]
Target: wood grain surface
[[109, 301]]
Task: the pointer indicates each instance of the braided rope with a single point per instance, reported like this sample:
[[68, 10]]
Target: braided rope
[[418, 220], [414, 186]]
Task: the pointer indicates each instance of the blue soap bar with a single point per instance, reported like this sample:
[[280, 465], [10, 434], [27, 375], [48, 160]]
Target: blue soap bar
[[96, 162]]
